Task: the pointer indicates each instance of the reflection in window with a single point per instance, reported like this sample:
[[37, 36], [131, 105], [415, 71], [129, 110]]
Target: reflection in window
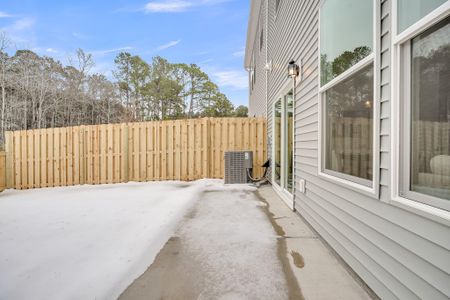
[[277, 142], [261, 40], [430, 109], [411, 11], [346, 35], [349, 123], [277, 5], [289, 139]]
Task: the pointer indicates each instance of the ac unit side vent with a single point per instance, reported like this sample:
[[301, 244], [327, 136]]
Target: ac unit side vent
[[236, 165]]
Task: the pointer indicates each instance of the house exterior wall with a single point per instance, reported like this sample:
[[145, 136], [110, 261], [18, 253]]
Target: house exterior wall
[[399, 253], [257, 92]]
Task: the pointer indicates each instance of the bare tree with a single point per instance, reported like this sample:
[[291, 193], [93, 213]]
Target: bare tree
[[4, 44]]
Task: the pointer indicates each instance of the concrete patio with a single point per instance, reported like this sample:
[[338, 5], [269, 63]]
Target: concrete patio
[[197, 264]]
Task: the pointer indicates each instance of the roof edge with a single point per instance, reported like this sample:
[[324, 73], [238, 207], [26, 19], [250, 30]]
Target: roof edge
[[255, 8]]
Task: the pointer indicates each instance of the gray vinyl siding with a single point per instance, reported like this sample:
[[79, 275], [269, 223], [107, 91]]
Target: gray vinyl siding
[[399, 254], [385, 93], [257, 103]]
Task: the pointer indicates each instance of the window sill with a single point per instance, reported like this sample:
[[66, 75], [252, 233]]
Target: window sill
[[433, 213], [368, 191]]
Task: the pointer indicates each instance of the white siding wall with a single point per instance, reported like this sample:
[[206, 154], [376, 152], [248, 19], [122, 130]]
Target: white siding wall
[[399, 254], [257, 102]]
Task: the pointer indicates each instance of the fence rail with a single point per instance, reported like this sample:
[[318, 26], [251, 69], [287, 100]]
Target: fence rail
[[158, 150]]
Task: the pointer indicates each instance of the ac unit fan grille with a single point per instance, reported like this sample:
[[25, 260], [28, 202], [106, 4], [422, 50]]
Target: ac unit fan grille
[[236, 164]]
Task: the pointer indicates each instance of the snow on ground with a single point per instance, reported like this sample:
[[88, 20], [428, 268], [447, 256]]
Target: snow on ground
[[86, 242]]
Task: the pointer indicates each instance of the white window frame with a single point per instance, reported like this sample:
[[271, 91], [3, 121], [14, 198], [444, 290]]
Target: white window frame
[[348, 181], [398, 93], [287, 197]]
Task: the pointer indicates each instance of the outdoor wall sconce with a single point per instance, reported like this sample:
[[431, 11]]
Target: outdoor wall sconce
[[293, 69]]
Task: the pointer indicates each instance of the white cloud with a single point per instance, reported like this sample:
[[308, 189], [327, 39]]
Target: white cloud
[[167, 6], [79, 35], [233, 79], [173, 6], [51, 50], [239, 53], [21, 31], [168, 45], [208, 60], [5, 15], [107, 51], [21, 24]]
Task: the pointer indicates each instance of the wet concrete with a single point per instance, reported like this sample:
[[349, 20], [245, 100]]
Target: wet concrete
[[299, 262], [293, 285], [319, 272], [212, 269], [173, 275]]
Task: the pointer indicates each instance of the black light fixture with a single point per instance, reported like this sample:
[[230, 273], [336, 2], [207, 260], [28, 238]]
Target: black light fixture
[[293, 69]]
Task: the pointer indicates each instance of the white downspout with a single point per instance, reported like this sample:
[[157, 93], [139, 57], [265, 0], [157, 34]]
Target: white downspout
[[269, 149], [293, 141], [266, 58]]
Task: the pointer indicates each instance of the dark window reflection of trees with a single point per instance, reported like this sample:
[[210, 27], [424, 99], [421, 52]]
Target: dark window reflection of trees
[[349, 111], [352, 97], [433, 78], [332, 69]]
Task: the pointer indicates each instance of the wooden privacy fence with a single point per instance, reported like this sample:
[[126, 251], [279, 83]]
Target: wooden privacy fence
[[158, 150]]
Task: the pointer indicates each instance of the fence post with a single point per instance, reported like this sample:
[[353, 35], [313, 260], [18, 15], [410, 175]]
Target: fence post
[[9, 159], [82, 155], [206, 146], [2, 171], [126, 152]]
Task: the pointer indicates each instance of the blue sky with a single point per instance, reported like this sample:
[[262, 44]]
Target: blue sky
[[210, 33]]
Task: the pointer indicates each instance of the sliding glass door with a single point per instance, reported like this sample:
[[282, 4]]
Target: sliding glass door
[[277, 142], [283, 147]]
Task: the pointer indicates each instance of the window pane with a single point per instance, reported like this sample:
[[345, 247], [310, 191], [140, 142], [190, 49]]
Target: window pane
[[349, 123], [411, 11], [277, 142], [261, 40], [346, 35], [289, 140], [430, 108]]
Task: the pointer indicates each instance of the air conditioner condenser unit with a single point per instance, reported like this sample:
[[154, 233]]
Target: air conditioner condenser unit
[[238, 166]]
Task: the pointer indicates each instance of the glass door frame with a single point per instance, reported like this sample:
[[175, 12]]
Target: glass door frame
[[281, 188]]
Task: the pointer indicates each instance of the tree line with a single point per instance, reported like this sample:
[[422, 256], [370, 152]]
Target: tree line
[[42, 92]]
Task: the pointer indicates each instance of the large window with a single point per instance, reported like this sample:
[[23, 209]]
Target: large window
[[347, 93], [426, 118], [349, 118]]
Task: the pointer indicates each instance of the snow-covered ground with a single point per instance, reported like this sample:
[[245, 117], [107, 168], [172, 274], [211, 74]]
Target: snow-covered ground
[[86, 242]]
